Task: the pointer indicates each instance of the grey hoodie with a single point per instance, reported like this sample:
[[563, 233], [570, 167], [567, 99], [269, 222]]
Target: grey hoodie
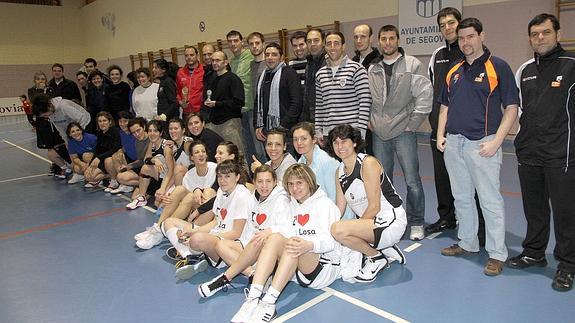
[[409, 99]]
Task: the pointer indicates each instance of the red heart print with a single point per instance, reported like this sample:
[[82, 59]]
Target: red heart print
[[302, 219], [223, 213], [261, 218]]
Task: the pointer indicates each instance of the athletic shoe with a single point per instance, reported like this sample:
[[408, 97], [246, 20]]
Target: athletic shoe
[[153, 238], [371, 267], [112, 186], [522, 261], [144, 234], [122, 189], [394, 253], [213, 286], [92, 184], [173, 254], [563, 281], [265, 312], [54, 169], [416, 233], [76, 178], [136, 203], [187, 268], [441, 225], [245, 313], [62, 174]]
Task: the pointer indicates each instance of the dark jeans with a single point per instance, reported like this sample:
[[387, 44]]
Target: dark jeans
[[539, 185]]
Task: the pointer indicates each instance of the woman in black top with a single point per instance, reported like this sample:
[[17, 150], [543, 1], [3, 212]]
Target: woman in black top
[[108, 143], [197, 130], [167, 101], [118, 94]]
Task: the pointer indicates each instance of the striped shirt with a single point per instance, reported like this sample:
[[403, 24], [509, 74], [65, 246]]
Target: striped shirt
[[342, 97]]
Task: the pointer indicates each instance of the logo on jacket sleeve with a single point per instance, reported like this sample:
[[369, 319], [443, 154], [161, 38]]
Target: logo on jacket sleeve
[[557, 82]]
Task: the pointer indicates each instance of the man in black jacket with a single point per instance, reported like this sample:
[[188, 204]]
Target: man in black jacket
[[224, 100], [544, 152], [63, 87], [315, 61], [277, 100]]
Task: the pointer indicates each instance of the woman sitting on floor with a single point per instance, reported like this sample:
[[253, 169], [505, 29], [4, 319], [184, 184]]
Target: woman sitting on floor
[[128, 174], [363, 185], [269, 214], [181, 145], [195, 190], [230, 212], [108, 143], [81, 147], [198, 131], [158, 165], [123, 156], [308, 250]]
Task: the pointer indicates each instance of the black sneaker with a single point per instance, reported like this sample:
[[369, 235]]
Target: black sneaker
[[213, 286], [441, 225], [522, 261], [563, 281], [54, 169], [173, 254]]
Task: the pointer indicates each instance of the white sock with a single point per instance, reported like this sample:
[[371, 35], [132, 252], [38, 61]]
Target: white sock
[[172, 235], [255, 291], [271, 296]]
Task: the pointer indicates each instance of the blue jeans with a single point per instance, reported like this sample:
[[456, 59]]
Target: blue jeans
[[469, 172], [405, 147], [252, 146]]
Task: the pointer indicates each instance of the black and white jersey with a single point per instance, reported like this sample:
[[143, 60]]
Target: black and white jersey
[[353, 189], [180, 155]]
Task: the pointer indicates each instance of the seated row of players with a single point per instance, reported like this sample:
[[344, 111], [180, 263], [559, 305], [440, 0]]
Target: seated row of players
[[291, 228]]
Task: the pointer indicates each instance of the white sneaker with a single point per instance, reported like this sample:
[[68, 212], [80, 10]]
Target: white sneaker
[[213, 286], [144, 234], [122, 189], [265, 312], [394, 253], [190, 266], [136, 203], [245, 313], [92, 184], [416, 233], [112, 186], [371, 267], [76, 178], [154, 237]]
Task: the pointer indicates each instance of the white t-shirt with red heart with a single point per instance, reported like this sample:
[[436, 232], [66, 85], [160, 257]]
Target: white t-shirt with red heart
[[230, 207], [273, 212]]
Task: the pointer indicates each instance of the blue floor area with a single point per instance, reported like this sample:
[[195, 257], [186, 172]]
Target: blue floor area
[[68, 255]]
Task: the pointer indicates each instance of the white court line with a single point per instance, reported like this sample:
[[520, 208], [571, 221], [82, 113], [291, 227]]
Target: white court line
[[433, 235], [305, 306], [19, 178], [414, 246], [28, 151], [366, 306]]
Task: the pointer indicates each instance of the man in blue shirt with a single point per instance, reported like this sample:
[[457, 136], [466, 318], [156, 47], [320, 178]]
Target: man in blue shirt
[[470, 115]]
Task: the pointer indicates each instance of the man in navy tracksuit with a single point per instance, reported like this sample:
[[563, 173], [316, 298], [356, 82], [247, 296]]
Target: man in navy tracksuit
[[544, 152]]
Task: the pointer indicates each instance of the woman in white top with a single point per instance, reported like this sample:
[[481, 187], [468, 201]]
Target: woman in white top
[[306, 250], [184, 198], [145, 96], [276, 147], [363, 185], [269, 213], [230, 212]]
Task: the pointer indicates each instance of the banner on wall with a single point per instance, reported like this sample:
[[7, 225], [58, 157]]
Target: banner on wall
[[11, 107], [418, 29]]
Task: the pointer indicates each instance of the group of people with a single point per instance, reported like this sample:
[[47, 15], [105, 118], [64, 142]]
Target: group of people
[[313, 199]]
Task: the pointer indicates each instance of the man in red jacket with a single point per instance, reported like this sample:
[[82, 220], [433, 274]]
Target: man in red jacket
[[190, 83]]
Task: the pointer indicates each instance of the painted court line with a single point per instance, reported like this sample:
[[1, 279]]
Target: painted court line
[[366, 306], [305, 306], [433, 235], [414, 246], [26, 150], [20, 178], [45, 227]]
